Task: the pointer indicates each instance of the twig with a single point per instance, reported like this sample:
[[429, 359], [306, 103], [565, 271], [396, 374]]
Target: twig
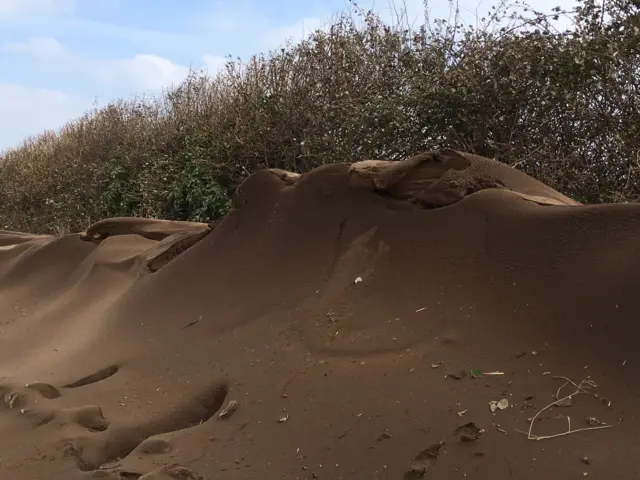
[[581, 387], [568, 432], [191, 323], [508, 466]]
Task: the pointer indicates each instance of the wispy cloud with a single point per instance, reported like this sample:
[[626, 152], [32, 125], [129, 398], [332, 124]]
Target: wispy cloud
[[141, 71], [39, 48], [295, 32], [27, 111], [13, 9]]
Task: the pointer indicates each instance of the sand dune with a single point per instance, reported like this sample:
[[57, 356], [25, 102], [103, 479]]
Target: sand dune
[[342, 324]]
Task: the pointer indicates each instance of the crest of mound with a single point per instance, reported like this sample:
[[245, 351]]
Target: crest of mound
[[171, 237], [286, 176], [149, 228], [11, 239], [441, 178]]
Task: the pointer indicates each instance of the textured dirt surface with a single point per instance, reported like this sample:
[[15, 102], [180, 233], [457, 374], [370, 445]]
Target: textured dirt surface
[[361, 321]]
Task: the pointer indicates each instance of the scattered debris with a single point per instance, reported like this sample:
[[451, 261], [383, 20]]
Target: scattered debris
[[468, 432], [593, 421], [603, 400], [421, 310], [227, 411], [436, 364], [172, 471], [499, 405], [358, 280], [283, 419], [191, 323], [477, 373], [586, 460], [499, 428], [460, 414]]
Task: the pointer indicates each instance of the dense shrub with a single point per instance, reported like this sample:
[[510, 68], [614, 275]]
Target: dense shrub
[[564, 106]]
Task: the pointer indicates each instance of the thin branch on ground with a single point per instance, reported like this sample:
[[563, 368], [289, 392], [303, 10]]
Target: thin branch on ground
[[580, 388]]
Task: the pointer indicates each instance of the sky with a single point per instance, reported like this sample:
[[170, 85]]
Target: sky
[[61, 57]]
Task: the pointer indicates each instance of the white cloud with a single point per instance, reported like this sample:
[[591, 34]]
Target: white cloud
[[11, 9], [277, 37], [140, 72], [143, 71], [28, 111], [258, 29], [40, 48], [213, 63], [220, 20]]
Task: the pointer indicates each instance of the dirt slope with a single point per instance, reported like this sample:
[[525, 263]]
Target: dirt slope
[[347, 312]]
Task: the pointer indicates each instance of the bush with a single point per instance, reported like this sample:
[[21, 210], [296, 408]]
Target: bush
[[561, 105]]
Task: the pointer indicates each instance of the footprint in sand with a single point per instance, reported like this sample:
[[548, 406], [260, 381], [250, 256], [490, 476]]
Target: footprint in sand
[[28, 401], [93, 451], [102, 444]]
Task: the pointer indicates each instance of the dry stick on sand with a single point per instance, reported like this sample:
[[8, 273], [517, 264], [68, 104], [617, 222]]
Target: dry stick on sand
[[582, 387]]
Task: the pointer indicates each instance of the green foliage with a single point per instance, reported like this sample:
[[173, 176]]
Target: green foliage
[[562, 105], [198, 192], [120, 196], [198, 196]]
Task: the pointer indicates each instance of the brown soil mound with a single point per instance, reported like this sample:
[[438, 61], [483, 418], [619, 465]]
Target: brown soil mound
[[144, 227], [355, 322], [438, 179]]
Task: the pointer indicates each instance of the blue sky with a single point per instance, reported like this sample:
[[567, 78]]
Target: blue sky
[[61, 56]]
